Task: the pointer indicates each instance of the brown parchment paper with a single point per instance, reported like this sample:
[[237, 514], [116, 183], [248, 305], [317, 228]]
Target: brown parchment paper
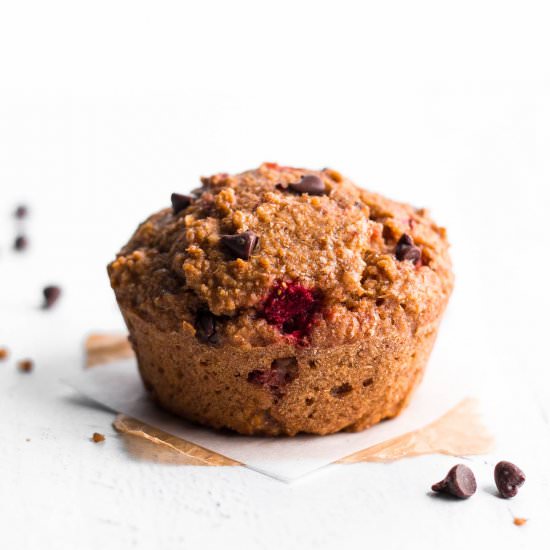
[[459, 432]]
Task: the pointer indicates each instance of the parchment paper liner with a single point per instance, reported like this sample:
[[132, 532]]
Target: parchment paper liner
[[459, 432]]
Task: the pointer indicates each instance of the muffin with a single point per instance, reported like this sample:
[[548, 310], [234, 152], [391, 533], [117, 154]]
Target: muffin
[[283, 300]]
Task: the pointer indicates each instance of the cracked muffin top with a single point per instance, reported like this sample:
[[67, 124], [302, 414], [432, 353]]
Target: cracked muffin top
[[282, 253]]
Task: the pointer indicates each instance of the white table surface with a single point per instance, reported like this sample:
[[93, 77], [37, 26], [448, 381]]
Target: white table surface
[[105, 109]]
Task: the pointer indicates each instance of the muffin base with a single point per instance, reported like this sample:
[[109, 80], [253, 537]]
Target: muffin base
[[349, 387]]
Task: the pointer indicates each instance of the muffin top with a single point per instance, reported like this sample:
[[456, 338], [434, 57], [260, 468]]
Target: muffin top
[[283, 254]]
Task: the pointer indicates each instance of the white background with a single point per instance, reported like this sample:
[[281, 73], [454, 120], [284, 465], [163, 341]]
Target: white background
[[107, 107]]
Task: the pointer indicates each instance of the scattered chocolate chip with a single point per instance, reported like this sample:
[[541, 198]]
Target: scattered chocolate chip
[[282, 372], [405, 249], [460, 482], [98, 438], [21, 243], [4, 353], [241, 245], [51, 295], [25, 365], [21, 211], [205, 325], [180, 202], [520, 521], [508, 478], [310, 184]]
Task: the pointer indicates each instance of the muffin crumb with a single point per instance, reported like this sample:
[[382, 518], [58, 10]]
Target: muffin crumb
[[97, 437], [25, 365]]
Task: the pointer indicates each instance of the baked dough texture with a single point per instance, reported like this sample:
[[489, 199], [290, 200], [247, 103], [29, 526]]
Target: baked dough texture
[[283, 300]]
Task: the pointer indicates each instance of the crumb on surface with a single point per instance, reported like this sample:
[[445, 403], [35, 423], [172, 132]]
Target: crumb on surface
[[4, 353], [98, 438], [25, 365], [520, 521]]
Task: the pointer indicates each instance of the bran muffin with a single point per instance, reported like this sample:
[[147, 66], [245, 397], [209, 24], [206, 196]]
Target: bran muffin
[[283, 300]]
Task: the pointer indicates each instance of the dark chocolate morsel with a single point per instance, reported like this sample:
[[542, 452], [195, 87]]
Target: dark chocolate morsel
[[310, 184], [21, 243], [508, 478], [205, 325], [406, 250], [51, 295], [460, 482], [180, 202], [241, 245], [21, 211]]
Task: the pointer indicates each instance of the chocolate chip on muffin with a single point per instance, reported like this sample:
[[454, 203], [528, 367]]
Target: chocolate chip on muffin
[[212, 317], [309, 183], [282, 372], [241, 245], [205, 324], [180, 202], [406, 250]]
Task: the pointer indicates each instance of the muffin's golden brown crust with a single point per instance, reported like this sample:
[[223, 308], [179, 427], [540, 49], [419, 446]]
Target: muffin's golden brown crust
[[325, 325]]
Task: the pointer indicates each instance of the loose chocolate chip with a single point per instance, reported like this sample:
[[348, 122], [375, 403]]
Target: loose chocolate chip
[[405, 249], [21, 211], [508, 478], [4, 353], [241, 245], [21, 243], [180, 202], [205, 325], [51, 295], [310, 184], [460, 482]]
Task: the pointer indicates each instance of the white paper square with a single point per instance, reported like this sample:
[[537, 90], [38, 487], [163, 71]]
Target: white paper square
[[119, 387]]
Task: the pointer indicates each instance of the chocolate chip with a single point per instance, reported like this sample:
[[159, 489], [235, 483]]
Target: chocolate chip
[[405, 249], [205, 325], [310, 184], [343, 389], [283, 371], [241, 245], [180, 202], [51, 295], [508, 478], [21, 211], [460, 482], [21, 243]]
